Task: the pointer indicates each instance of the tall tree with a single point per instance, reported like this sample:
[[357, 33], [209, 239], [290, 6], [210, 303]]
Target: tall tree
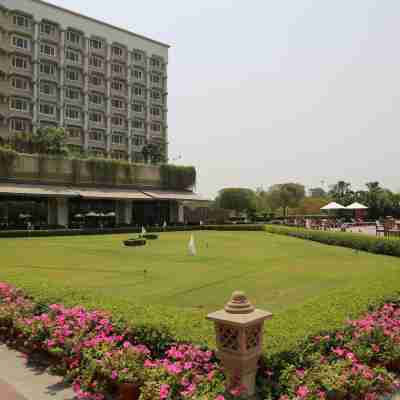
[[341, 192], [317, 192], [286, 195], [238, 199]]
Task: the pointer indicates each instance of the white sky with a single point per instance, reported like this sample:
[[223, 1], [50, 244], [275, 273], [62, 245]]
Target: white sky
[[262, 91]]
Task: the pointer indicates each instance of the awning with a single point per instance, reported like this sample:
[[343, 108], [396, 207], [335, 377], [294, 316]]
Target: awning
[[111, 194], [357, 206], [36, 190], [178, 195], [333, 206]]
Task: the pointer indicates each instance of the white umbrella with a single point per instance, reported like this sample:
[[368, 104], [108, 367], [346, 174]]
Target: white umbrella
[[357, 206], [91, 214], [110, 214], [333, 206]]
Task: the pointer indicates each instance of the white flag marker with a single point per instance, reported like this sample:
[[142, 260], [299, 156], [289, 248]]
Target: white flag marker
[[165, 225], [192, 246], [143, 230]]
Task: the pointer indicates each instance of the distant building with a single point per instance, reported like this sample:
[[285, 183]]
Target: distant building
[[105, 85]]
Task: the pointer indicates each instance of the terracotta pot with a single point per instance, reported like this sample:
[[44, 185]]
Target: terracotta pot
[[394, 365], [128, 391]]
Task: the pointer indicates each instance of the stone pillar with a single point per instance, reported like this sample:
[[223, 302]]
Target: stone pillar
[[181, 213], [62, 212], [52, 212], [128, 212], [239, 333]]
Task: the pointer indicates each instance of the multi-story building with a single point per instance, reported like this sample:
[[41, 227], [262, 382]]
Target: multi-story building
[[106, 86]]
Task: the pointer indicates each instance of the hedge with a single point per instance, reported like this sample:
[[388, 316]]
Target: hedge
[[362, 242], [105, 231]]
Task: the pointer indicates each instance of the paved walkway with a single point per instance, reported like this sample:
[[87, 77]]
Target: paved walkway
[[19, 381]]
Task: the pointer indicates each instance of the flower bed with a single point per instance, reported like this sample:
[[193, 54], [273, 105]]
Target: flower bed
[[97, 355], [359, 361]]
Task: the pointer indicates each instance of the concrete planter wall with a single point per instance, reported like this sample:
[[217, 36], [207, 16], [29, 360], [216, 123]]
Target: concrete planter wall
[[34, 168]]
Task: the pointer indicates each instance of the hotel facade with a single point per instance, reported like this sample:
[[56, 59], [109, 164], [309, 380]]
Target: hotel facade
[[106, 86]]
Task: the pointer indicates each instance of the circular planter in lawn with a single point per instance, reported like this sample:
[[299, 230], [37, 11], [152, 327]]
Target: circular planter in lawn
[[150, 236], [134, 242]]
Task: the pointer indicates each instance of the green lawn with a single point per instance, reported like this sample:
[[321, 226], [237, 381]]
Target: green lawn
[[308, 286]]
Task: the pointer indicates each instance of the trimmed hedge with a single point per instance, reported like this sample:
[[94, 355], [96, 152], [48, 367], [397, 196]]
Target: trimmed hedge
[[362, 242], [134, 242], [109, 231]]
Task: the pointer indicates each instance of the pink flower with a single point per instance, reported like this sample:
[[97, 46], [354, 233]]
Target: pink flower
[[164, 391], [302, 392]]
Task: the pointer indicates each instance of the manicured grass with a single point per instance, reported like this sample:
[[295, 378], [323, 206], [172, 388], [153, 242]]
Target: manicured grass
[[308, 286]]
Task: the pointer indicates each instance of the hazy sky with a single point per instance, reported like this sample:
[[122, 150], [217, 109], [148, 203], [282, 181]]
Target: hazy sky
[[262, 91]]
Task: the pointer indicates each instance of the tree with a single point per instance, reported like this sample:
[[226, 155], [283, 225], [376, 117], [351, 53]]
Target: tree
[[286, 195], [238, 199], [317, 192], [154, 153], [341, 193]]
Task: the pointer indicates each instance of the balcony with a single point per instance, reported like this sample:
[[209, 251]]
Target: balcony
[[119, 93], [49, 77], [54, 36], [75, 122], [75, 83], [26, 30], [97, 88]]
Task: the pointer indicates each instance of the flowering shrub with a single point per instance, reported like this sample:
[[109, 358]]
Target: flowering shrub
[[356, 362], [96, 354]]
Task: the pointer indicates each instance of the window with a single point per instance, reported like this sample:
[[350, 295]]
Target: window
[[21, 42], [155, 62], [96, 117], [138, 140], [73, 37], [21, 20], [117, 85], [138, 91], [47, 29], [137, 56], [95, 61], [156, 127], [73, 113], [117, 51], [155, 78], [117, 103], [47, 68], [117, 68], [47, 50], [18, 125], [72, 93], [138, 123], [19, 83], [96, 135], [96, 44], [47, 88], [155, 111], [138, 107], [19, 105], [95, 80], [96, 98], [117, 139], [74, 132], [72, 75], [117, 121], [73, 56], [138, 74], [155, 94], [19, 62], [47, 109]]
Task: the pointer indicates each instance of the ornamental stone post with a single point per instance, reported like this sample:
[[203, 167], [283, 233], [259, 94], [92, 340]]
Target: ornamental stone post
[[239, 332]]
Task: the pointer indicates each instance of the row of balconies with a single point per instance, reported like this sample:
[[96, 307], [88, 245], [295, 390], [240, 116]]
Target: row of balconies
[[53, 37]]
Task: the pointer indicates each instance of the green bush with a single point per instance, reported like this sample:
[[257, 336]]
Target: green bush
[[362, 242], [150, 236], [177, 177], [7, 158]]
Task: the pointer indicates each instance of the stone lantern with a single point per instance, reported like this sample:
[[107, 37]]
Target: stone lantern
[[239, 332]]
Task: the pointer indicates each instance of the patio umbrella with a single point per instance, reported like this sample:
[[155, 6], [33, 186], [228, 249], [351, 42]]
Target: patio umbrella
[[91, 214], [78, 216], [110, 214], [333, 206], [24, 216], [357, 206]]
